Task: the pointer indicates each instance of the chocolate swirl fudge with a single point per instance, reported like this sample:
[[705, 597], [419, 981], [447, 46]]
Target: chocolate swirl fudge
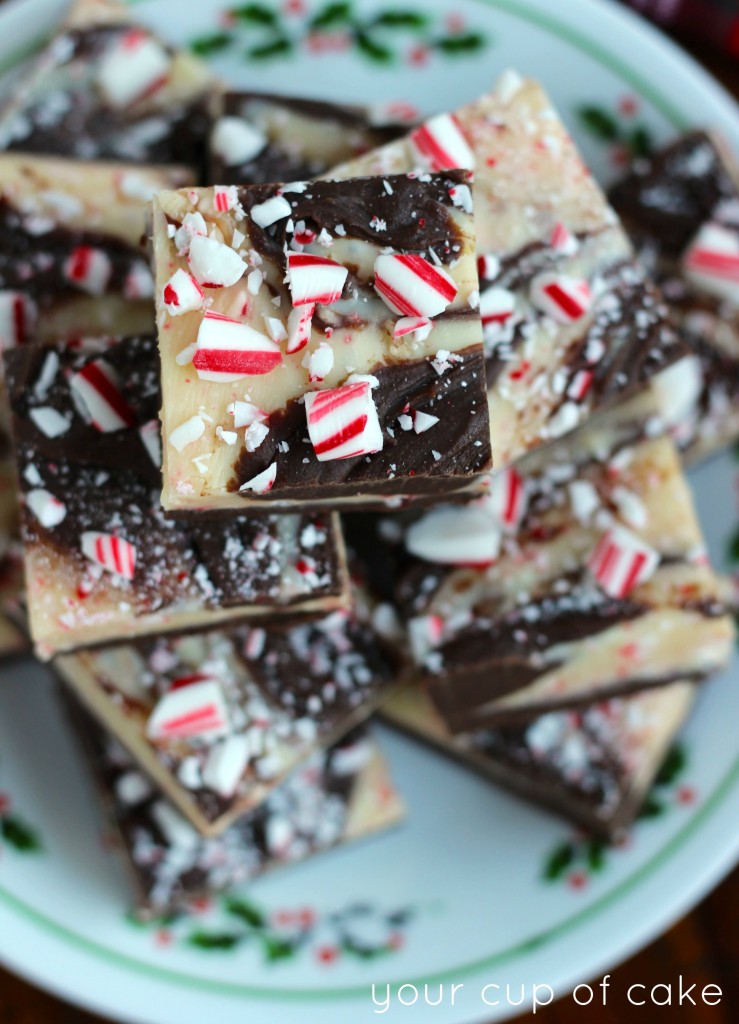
[[340, 795], [219, 719], [102, 561], [320, 343], [571, 323], [107, 89], [681, 208], [71, 256], [581, 576], [593, 765], [257, 138]]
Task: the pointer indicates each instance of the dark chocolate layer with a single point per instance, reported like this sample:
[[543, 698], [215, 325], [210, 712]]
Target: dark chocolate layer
[[413, 463]]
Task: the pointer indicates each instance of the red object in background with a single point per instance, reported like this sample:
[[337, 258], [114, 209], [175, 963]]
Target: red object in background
[[715, 20]]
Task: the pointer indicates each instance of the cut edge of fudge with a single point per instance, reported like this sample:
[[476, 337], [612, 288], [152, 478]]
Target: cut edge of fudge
[[411, 711]]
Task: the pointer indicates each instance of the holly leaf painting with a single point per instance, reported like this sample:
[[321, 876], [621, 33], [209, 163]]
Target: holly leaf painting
[[371, 48], [214, 940], [674, 765], [19, 835], [255, 14], [205, 45], [331, 15], [274, 48], [600, 123], [246, 912], [559, 860], [413, 20], [470, 42]]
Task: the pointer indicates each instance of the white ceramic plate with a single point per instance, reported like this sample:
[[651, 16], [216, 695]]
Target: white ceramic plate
[[458, 895]]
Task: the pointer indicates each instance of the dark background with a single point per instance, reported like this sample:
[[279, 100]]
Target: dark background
[[703, 947]]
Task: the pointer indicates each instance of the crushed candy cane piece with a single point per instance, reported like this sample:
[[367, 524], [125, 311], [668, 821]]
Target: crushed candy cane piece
[[48, 509], [411, 286], [262, 482], [182, 293], [621, 561], [214, 264], [96, 389], [314, 279], [236, 141], [442, 145], [466, 535], [343, 421], [112, 553], [563, 298], [227, 349], [194, 710]]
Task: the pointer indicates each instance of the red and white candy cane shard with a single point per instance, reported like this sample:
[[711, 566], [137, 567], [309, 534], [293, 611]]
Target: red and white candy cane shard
[[244, 414], [419, 325], [299, 327], [182, 294], [214, 264], [114, 554], [48, 509], [96, 389], [411, 286], [89, 269], [343, 422], [441, 143], [621, 561], [563, 298], [488, 267], [16, 318], [320, 363], [228, 349], [497, 305], [562, 240], [711, 261], [580, 385], [314, 279], [136, 67], [507, 499], [423, 421], [262, 482], [225, 197], [466, 535], [198, 710]]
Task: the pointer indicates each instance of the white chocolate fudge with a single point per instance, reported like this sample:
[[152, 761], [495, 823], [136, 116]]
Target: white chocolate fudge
[[581, 576], [219, 719], [102, 561], [571, 323], [595, 765], [320, 343]]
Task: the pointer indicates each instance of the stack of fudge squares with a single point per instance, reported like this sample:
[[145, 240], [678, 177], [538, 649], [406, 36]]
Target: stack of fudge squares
[[311, 414]]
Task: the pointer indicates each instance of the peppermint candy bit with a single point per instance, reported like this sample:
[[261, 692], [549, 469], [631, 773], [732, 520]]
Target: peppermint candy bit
[[411, 286], [269, 212], [96, 390], [112, 553], [262, 482], [228, 349], [320, 363], [135, 68], [182, 294], [442, 145], [49, 510], [565, 299], [236, 141], [214, 264], [497, 305], [455, 536], [343, 422], [711, 261], [197, 710], [187, 433], [506, 499], [621, 561], [299, 328], [314, 279], [421, 326], [16, 317], [244, 414], [89, 269]]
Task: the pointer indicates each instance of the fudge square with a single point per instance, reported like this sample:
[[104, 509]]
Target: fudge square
[[581, 576], [257, 138], [595, 765], [218, 720], [320, 343], [102, 562], [681, 207], [571, 322], [105, 88], [340, 795], [71, 258]]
